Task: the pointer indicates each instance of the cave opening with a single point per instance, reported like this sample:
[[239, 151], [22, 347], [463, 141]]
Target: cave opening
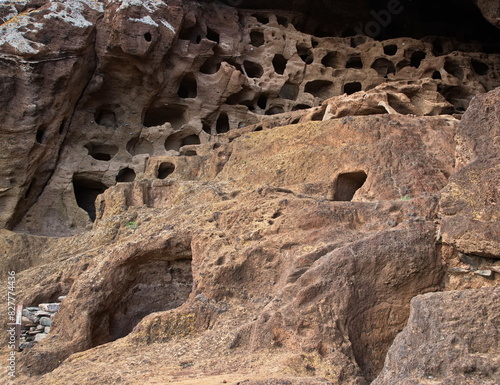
[[106, 117], [156, 281], [157, 116], [289, 91], [353, 87], [391, 49], [416, 58], [305, 53], [256, 38], [103, 152], [213, 35], [125, 175], [274, 110], [253, 70], [180, 139], [279, 64], [347, 184], [165, 169], [188, 87], [211, 66], [354, 62], [86, 191], [479, 67], [319, 88], [331, 59], [40, 134], [222, 124], [383, 67]]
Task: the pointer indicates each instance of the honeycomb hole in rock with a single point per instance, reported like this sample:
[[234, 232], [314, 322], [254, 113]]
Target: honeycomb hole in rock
[[102, 152], [416, 58], [263, 19], [279, 64], [125, 175], [188, 87], [305, 53], [137, 146], [319, 88], [213, 35], [383, 67], [351, 88], [262, 102], [275, 110], [332, 60], [253, 70], [354, 62], [436, 75], [402, 64], [153, 282], [222, 124], [391, 49], [157, 116], [86, 192], [235, 64], [347, 184], [40, 134], [148, 37], [301, 107], [257, 38], [193, 34], [479, 67], [282, 21], [105, 117], [207, 128], [165, 169], [211, 66], [458, 96], [179, 139], [289, 91], [453, 68]]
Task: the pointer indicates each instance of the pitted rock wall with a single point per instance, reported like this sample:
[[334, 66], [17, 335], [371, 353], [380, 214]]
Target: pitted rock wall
[[162, 79]]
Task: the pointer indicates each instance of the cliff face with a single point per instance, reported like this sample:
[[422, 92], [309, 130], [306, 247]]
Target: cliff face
[[250, 192]]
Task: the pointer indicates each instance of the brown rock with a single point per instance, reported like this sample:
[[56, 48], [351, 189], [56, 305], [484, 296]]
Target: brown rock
[[469, 203], [451, 338]]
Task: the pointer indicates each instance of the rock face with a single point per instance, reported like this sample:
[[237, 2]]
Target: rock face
[[225, 193], [451, 338], [145, 79]]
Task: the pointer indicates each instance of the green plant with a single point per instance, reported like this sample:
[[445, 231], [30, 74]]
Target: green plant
[[405, 197], [131, 225]]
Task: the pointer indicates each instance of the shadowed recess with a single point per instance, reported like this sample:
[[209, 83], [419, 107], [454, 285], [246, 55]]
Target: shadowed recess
[[347, 184], [86, 192]]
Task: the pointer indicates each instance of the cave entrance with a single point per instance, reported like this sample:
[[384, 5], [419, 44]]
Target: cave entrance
[[347, 184], [153, 282], [86, 192]]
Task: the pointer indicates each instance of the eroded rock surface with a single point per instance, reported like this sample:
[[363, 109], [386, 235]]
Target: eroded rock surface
[[150, 78], [251, 196], [451, 338]]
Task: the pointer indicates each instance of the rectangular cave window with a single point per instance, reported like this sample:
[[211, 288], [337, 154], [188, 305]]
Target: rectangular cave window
[[157, 116], [347, 184]]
